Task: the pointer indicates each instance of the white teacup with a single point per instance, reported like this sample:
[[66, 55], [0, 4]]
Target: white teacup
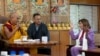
[[37, 40], [26, 54], [44, 39], [4, 53], [79, 55], [17, 41], [24, 38]]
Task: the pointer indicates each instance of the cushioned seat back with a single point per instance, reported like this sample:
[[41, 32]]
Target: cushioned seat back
[[2, 32]]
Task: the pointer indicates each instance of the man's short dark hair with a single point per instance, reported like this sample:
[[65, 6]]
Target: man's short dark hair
[[35, 14]]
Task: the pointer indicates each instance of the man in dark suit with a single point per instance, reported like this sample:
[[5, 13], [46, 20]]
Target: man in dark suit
[[37, 29]]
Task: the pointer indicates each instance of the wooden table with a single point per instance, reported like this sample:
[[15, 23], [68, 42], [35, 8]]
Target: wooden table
[[93, 52], [33, 45]]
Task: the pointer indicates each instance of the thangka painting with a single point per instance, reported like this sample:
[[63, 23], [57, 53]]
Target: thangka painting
[[19, 6], [60, 6], [59, 11], [40, 6]]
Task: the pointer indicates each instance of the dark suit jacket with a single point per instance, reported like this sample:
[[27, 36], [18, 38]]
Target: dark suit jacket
[[37, 34]]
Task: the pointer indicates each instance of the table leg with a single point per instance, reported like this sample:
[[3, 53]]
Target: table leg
[[33, 51]]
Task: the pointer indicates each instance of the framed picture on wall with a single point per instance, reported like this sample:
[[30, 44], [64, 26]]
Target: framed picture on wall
[[62, 11], [42, 7], [19, 6]]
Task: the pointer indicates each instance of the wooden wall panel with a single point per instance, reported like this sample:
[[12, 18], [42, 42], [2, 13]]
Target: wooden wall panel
[[78, 1], [54, 36], [64, 41], [74, 1], [93, 2], [88, 2], [62, 36]]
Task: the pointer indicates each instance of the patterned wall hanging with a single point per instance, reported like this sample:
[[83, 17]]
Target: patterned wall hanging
[[59, 8], [62, 6], [40, 6], [19, 6]]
